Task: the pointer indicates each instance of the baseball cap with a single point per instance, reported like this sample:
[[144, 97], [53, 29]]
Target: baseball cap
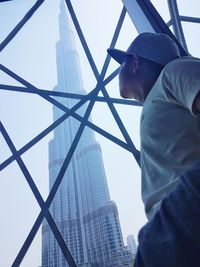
[[157, 47]]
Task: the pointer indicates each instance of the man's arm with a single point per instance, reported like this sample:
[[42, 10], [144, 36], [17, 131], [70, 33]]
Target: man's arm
[[172, 236], [182, 82]]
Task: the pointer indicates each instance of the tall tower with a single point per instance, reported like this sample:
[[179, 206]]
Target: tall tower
[[82, 209]]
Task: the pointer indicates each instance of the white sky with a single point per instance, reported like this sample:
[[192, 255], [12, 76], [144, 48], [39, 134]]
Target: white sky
[[31, 55]]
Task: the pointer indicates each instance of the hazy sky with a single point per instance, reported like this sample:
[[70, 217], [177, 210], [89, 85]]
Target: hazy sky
[[31, 54]]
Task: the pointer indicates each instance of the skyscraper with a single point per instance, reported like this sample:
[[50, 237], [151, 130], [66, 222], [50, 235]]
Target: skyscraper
[[131, 243], [82, 209]]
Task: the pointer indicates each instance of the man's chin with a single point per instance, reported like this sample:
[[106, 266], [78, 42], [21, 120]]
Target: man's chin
[[124, 94]]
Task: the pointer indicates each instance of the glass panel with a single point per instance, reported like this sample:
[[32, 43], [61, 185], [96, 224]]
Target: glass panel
[[130, 116], [188, 8], [104, 119], [34, 254], [24, 116], [34, 55], [191, 31], [19, 210], [162, 8], [5, 151], [113, 86], [98, 20], [126, 36], [8, 20], [36, 161], [8, 80]]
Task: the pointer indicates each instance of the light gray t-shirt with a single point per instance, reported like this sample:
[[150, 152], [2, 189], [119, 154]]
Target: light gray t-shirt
[[170, 131]]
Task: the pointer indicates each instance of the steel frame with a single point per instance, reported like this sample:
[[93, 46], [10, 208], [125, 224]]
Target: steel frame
[[176, 20], [153, 21]]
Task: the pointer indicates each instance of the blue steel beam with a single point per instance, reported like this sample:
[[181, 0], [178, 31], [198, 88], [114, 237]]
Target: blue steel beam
[[66, 95], [39, 199], [189, 19]]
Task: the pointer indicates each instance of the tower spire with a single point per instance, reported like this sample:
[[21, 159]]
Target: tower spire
[[65, 31], [68, 65]]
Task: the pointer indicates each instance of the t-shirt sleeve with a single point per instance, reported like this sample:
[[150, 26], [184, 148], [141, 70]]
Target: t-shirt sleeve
[[181, 80]]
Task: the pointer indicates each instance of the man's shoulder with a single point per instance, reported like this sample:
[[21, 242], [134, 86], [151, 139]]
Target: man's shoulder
[[182, 62], [181, 68]]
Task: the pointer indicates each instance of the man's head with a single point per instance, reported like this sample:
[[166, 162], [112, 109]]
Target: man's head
[[142, 63]]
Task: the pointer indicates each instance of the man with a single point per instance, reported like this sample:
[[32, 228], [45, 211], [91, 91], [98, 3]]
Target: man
[[168, 85], [153, 72]]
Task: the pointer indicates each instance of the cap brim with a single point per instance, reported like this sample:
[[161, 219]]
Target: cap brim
[[117, 55]]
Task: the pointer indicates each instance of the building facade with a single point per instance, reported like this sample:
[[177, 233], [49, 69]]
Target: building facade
[[82, 208], [131, 244]]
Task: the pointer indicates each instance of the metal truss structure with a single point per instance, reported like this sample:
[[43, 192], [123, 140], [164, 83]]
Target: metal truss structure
[[145, 18]]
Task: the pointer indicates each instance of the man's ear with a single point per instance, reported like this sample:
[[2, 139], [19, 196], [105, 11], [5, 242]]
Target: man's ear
[[196, 104], [135, 63]]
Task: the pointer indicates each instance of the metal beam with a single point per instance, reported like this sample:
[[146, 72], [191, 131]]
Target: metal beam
[[137, 16], [176, 22], [147, 19], [1, 1], [190, 19], [30, 90]]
